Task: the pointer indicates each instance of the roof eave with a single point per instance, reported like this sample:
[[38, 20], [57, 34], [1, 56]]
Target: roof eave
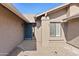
[[14, 10], [59, 7], [71, 17]]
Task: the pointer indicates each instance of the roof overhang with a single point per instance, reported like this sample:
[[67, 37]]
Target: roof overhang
[[30, 17], [14, 10], [71, 17], [54, 9]]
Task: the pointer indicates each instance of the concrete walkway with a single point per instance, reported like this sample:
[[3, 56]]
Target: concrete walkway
[[56, 49]]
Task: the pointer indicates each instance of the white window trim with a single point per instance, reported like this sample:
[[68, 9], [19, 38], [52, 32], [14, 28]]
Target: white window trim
[[59, 30]]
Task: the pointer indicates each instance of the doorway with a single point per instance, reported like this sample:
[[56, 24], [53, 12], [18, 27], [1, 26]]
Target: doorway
[[27, 31]]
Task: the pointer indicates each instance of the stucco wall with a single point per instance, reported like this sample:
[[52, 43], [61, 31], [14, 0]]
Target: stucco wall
[[58, 17], [43, 28], [45, 33], [70, 30], [11, 31], [38, 34], [73, 32], [74, 9]]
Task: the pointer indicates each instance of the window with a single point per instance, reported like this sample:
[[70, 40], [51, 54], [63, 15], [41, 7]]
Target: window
[[55, 29]]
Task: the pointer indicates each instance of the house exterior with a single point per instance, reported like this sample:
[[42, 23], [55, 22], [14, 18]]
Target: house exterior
[[12, 27], [38, 33], [58, 25]]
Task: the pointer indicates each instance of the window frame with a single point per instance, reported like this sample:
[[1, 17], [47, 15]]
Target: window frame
[[55, 30]]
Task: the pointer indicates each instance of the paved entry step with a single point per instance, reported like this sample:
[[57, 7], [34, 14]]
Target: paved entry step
[[56, 50], [72, 48], [26, 45]]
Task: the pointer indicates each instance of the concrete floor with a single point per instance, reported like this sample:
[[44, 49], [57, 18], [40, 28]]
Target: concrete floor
[[54, 49]]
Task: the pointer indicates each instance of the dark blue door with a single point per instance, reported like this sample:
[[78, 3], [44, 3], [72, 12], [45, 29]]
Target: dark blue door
[[27, 30]]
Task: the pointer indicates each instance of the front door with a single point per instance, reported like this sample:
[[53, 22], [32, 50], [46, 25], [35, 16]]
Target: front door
[[28, 31]]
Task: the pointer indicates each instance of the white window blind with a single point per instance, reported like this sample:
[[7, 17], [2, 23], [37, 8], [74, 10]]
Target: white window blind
[[55, 29]]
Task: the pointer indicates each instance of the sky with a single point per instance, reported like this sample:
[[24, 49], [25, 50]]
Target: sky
[[35, 8]]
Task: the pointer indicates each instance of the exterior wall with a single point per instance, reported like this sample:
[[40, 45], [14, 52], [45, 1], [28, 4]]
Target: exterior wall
[[11, 30], [74, 9], [43, 32], [38, 34], [73, 32], [72, 26], [58, 17]]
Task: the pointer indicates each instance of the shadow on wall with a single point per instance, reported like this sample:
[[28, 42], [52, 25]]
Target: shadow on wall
[[65, 28], [38, 22], [57, 14], [15, 52], [25, 45], [71, 29]]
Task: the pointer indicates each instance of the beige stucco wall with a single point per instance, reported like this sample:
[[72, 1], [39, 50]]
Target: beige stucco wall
[[43, 31], [58, 17], [72, 35], [74, 9], [38, 34], [11, 30], [73, 32]]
